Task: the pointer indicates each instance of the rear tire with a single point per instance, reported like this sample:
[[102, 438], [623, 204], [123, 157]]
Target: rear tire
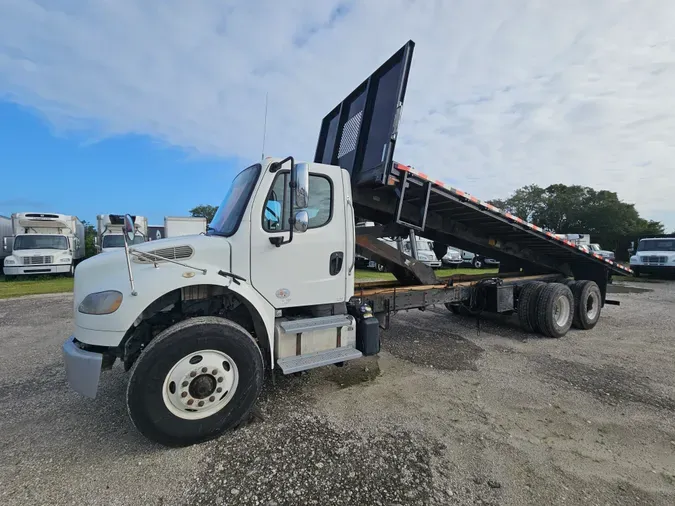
[[587, 304], [477, 263], [526, 299], [555, 310], [155, 407]]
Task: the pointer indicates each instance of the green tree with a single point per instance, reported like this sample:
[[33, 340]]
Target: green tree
[[579, 209], [204, 211], [89, 239]]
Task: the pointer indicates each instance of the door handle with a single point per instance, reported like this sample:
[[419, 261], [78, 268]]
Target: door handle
[[335, 263]]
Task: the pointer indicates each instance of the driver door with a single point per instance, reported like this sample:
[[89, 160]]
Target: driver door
[[311, 269]]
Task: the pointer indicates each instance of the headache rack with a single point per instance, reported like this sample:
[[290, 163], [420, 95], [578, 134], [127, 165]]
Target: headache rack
[[360, 134]]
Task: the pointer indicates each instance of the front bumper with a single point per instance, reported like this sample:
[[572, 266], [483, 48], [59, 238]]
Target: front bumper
[[452, 261], [663, 270], [83, 368], [431, 263], [18, 270]]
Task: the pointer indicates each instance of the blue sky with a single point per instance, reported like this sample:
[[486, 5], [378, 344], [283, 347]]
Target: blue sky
[[44, 171], [170, 94]]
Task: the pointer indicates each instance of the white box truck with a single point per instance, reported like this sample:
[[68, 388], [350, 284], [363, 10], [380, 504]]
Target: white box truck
[[109, 231], [200, 320], [6, 237], [175, 226], [45, 243]]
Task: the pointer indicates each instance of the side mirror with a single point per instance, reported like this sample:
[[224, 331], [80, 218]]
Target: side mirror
[[301, 221], [129, 229], [301, 177]]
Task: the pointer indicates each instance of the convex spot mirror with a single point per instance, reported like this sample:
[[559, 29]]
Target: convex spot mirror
[[301, 221]]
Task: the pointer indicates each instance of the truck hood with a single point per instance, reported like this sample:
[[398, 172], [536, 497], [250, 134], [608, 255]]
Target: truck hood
[[108, 271]]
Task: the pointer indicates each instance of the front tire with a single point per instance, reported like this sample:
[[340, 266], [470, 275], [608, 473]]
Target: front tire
[[173, 396]]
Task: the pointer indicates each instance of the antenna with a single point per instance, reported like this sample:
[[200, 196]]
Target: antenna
[[264, 128]]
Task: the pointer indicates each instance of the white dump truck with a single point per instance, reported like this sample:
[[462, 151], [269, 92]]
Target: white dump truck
[[199, 320], [44, 243], [175, 226], [109, 231]]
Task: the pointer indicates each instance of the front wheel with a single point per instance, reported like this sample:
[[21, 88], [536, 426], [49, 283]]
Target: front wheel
[[194, 381], [477, 263]]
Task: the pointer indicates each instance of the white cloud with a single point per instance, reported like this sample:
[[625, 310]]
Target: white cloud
[[501, 93]]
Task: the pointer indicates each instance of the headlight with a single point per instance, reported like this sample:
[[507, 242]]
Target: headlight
[[9, 261], [101, 302], [423, 257], [633, 259], [66, 259]]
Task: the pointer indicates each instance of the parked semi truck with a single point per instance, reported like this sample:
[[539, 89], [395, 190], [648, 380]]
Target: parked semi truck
[[6, 237], [44, 243], [175, 226], [109, 231], [199, 320]]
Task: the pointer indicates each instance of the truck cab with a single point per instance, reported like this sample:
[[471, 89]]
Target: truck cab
[[654, 255], [109, 235], [44, 243]]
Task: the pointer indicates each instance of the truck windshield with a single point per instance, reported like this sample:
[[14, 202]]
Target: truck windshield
[[117, 241], [657, 245], [40, 242], [231, 211]]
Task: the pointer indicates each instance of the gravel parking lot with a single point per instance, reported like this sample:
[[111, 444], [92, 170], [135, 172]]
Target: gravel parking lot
[[446, 414]]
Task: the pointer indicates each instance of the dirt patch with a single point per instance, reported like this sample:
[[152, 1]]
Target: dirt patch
[[426, 345], [355, 372], [608, 383], [614, 288]]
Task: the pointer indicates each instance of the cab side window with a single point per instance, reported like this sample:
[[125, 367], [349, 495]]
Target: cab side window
[[277, 209]]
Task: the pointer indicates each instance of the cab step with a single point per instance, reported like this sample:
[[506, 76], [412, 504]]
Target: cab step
[[319, 323], [298, 363]]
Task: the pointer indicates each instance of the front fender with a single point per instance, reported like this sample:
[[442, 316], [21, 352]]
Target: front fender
[[151, 284]]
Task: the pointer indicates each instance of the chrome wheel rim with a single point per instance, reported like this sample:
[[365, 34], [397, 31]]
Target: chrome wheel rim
[[200, 384], [592, 306], [561, 311]]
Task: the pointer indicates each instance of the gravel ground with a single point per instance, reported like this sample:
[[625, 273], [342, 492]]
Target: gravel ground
[[446, 414]]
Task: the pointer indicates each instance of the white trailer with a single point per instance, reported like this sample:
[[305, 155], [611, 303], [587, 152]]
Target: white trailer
[[199, 320], [6, 237], [109, 231], [45, 243], [175, 226]]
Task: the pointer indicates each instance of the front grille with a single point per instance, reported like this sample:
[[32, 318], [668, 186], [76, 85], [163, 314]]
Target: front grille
[[653, 259], [173, 253], [38, 260]]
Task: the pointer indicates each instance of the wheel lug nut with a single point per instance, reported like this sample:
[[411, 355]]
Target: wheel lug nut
[[220, 380], [204, 369], [185, 384], [184, 394], [212, 398], [201, 403], [190, 402], [219, 389], [193, 374], [214, 372]]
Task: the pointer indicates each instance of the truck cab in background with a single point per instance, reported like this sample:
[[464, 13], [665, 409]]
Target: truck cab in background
[[44, 243], [654, 255], [109, 234]]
